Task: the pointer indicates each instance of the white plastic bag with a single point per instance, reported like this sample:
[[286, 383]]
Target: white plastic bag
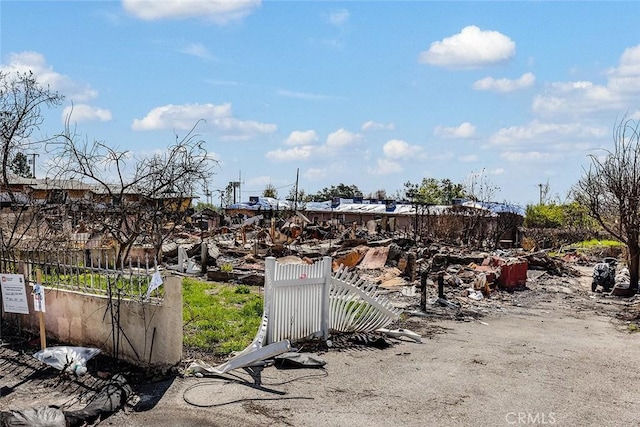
[[71, 359]]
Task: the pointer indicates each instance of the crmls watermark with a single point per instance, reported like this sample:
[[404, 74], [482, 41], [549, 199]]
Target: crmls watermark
[[530, 418]]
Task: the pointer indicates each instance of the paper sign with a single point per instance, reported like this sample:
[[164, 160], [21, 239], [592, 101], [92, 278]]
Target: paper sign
[[156, 282], [38, 298], [14, 295]]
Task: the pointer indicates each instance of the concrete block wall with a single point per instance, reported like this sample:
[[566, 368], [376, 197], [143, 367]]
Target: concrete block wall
[[149, 334]]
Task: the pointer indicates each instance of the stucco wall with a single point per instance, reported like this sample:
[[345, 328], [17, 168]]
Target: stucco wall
[[149, 334]]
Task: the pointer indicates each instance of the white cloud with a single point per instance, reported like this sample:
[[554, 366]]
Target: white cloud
[[371, 126], [469, 158], [577, 98], [291, 154], [398, 149], [216, 11], [342, 138], [217, 118], [84, 113], [339, 17], [471, 48], [303, 148], [299, 137], [629, 64], [198, 50], [180, 116], [625, 80], [337, 142], [543, 133], [36, 63], [505, 85], [464, 131], [385, 167]]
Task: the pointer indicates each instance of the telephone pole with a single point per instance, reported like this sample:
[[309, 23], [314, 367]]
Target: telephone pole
[[295, 198], [33, 163], [540, 185]]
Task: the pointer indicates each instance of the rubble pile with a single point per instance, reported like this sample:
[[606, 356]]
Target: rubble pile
[[396, 263]]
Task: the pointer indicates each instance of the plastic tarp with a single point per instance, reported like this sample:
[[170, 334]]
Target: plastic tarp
[[42, 416], [70, 359]]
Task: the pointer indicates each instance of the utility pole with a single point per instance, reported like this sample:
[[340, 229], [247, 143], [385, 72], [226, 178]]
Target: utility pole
[[237, 184], [295, 198], [544, 189], [33, 163], [540, 185]]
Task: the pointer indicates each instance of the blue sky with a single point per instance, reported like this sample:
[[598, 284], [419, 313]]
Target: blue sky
[[367, 93]]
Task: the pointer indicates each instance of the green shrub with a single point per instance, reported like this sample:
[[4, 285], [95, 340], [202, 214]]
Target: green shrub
[[242, 289], [570, 215]]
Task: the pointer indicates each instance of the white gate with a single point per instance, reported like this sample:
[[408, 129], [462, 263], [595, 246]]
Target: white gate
[[295, 299], [303, 301]]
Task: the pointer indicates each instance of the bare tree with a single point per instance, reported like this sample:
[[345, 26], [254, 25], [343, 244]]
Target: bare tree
[[421, 202], [380, 194], [479, 188], [145, 201], [21, 101], [300, 197], [610, 188]]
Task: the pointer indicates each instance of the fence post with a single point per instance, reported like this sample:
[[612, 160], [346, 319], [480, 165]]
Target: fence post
[[269, 278], [181, 258], [325, 297]]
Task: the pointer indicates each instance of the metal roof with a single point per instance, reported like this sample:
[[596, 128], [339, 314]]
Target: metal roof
[[349, 206]]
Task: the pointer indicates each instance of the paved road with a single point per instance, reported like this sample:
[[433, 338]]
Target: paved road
[[531, 367]]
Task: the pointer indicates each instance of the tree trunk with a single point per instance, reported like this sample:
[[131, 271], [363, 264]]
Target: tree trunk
[[634, 265]]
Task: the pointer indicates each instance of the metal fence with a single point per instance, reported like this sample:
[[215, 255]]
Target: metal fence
[[86, 271]]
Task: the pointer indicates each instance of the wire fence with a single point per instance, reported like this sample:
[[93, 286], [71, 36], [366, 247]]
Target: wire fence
[[92, 271]]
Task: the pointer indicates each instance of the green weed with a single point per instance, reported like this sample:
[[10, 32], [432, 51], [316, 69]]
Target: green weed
[[217, 318], [594, 243], [226, 267]]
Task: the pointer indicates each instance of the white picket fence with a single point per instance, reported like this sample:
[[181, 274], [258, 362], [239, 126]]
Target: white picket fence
[[304, 301]]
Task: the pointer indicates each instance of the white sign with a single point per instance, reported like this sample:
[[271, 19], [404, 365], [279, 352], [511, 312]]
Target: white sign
[[14, 295], [38, 298], [156, 282]]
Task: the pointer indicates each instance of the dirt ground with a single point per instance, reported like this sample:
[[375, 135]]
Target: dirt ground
[[553, 354]]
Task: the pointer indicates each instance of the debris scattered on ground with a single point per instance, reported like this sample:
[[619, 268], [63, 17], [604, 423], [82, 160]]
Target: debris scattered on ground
[[401, 333]]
